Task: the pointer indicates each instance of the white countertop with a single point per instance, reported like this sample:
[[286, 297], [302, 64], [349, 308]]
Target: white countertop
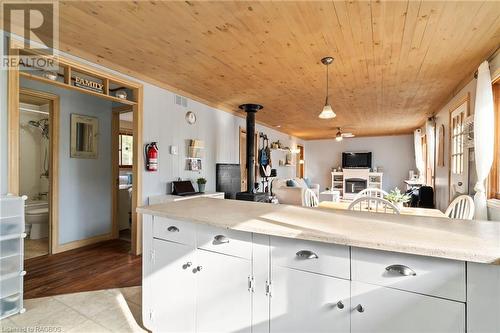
[[436, 237]]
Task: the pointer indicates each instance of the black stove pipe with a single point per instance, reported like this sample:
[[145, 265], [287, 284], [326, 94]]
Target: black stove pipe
[[251, 110]]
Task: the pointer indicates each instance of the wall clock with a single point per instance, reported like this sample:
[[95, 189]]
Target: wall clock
[[190, 117]]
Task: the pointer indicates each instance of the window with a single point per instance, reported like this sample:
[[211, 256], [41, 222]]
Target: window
[[495, 170], [457, 147], [125, 144]]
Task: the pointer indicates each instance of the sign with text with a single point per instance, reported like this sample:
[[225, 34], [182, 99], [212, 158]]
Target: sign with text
[[33, 29]]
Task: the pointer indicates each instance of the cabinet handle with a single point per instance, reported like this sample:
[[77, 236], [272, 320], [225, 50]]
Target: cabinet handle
[[340, 305], [221, 239], [187, 265], [360, 308], [173, 228], [401, 269], [198, 268], [306, 254]]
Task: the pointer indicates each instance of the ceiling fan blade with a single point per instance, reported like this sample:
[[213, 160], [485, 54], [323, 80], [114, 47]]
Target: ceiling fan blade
[[347, 135]]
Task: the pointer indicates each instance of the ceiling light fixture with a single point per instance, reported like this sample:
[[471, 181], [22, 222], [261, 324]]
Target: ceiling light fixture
[[327, 112]]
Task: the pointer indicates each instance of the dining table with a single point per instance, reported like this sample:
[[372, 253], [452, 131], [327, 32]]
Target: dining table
[[416, 211]]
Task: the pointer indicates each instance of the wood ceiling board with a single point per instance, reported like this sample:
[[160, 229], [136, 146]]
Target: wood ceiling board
[[395, 63]]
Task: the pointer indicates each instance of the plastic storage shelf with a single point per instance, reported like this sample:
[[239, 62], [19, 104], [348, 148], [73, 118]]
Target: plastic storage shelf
[[11, 255]]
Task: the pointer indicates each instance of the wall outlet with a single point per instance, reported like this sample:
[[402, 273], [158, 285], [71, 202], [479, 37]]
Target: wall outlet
[[174, 150]]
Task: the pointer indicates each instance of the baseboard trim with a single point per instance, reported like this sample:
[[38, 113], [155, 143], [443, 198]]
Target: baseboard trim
[[82, 242]]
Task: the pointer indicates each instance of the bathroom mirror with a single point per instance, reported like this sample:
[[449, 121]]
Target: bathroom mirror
[[84, 133]]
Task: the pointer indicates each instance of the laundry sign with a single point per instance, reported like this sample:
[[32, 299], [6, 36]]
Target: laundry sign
[[89, 84]]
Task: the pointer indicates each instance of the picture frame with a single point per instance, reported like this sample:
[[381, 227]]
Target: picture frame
[[84, 136]]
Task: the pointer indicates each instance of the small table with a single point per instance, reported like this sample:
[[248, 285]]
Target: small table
[[330, 195]]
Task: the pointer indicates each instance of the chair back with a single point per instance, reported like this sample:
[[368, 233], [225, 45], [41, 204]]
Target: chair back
[[426, 197], [373, 204], [462, 207], [310, 199], [372, 192]]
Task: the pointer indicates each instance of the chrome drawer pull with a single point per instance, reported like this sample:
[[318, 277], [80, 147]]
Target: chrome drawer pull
[[401, 269], [187, 265], [360, 308], [221, 239], [306, 254], [173, 228], [340, 305]]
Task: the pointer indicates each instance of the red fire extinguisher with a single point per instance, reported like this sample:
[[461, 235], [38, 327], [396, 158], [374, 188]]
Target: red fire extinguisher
[[151, 152]]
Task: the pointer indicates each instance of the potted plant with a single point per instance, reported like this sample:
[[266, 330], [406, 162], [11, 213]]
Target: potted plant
[[398, 198], [201, 184]]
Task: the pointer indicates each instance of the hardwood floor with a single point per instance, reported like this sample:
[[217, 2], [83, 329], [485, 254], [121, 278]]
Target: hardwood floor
[[99, 266]]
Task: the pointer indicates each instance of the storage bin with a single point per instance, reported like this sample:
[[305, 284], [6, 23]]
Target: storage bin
[[9, 247], [11, 286], [11, 206], [10, 305], [11, 225], [11, 265]]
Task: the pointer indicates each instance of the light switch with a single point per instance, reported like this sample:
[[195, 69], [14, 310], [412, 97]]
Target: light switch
[[173, 150]]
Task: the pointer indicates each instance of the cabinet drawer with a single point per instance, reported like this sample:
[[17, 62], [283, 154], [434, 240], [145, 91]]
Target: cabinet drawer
[[378, 309], [173, 230], [231, 242], [425, 275], [323, 258]]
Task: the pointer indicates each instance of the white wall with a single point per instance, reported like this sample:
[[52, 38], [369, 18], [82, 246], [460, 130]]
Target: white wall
[[164, 123], [84, 184], [395, 154]]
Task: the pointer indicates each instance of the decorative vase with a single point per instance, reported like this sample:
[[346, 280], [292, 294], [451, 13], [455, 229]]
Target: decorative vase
[[201, 188]]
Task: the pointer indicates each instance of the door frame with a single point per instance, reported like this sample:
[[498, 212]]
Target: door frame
[[115, 168], [53, 163], [13, 87], [301, 170], [460, 102]]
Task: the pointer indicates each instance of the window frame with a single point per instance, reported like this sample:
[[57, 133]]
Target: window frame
[[120, 134], [494, 177]]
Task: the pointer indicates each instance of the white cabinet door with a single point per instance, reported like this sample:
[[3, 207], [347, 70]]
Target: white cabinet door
[[378, 309], [224, 301], [308, 302], [173, 287]]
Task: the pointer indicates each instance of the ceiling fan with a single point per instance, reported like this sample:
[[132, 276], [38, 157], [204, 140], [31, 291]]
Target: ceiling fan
[[341, 135]]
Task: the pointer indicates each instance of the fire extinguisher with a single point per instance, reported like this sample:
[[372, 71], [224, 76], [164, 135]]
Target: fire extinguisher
[[151, 152]]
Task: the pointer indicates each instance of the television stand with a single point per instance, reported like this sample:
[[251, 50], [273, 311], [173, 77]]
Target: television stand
[[352, 181]]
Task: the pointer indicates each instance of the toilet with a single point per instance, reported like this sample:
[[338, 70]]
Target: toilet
[[37, 219]]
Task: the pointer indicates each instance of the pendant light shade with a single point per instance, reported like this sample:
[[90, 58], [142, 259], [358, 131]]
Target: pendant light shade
[[327, 112]]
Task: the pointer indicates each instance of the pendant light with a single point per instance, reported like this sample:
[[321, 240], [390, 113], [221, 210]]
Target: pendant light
[[327, 112]]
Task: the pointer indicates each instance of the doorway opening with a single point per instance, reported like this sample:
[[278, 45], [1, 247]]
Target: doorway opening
[[123, 163], [300, 162], [38, 133]]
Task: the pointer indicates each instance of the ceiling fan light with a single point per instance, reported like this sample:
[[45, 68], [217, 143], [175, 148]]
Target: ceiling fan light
[[327, 112]]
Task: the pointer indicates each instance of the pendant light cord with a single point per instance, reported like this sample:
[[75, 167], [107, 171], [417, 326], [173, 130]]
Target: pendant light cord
[[326, 100]]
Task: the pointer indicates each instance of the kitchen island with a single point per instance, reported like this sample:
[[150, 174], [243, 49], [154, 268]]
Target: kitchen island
[[232, 266]]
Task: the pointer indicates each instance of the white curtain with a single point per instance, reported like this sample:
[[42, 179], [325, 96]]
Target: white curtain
[[430, 130], [484, 131], [418, 154]]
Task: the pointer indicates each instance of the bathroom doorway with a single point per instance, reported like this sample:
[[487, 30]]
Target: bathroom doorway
[[37, 163]]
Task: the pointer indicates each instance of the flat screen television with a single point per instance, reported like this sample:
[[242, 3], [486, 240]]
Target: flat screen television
[[356, 160]]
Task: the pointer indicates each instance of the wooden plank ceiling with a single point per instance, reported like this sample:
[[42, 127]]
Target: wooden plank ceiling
[[395, 64]]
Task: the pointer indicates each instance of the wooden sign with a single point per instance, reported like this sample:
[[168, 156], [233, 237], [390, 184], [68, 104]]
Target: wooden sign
[[89, 84]]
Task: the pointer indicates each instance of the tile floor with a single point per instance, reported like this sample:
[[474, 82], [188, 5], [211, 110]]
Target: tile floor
[[111, 310], [35, 247]]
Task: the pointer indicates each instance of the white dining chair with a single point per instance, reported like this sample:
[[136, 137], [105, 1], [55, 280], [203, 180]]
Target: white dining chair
[[373, 204], [371, 192], [310, 199], [462, 207]]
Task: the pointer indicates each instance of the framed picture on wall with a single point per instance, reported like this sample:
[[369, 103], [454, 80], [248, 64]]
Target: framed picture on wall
[[84, 136]]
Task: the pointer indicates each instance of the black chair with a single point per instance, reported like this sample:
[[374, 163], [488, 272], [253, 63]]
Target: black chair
[[426, 197]]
